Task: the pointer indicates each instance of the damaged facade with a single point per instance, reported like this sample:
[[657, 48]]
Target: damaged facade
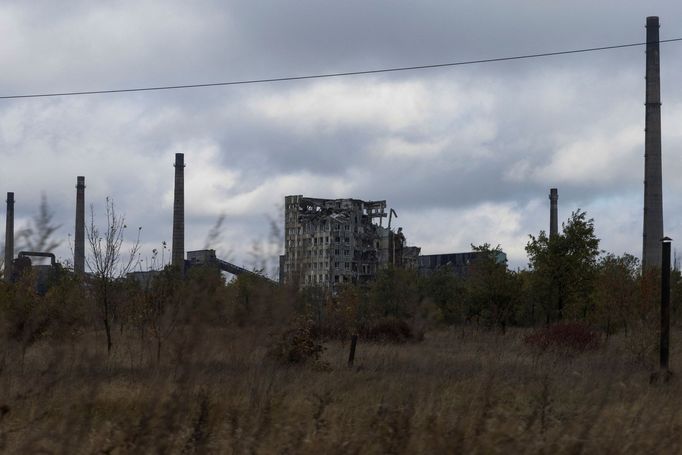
[[333, 241]]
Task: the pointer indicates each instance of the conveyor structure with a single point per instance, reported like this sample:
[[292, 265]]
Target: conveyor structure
[[208, 257]]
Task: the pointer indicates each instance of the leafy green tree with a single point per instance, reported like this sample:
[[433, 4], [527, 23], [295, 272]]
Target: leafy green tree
[[529, 309], [492, 290], [615, 292], [447, 292], [394, 293], [564, 268]]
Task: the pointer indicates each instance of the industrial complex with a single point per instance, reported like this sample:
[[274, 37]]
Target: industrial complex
[[329, 242]]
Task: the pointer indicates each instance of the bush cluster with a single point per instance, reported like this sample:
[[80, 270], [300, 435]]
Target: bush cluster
[[390, 329], [565, 336], [297, 345]]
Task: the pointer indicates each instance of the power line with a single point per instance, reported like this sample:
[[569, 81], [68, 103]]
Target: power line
[[330, 75]]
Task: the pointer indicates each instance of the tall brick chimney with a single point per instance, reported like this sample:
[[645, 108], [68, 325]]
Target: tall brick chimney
[[9, 237], [653, 187], [553, 212], [79, 240], [178, 247]]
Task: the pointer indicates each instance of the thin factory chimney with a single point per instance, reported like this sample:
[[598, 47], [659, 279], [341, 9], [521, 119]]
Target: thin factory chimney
[[79, 242], [178, 253], [9, 237], [653, 187], [553, 212]]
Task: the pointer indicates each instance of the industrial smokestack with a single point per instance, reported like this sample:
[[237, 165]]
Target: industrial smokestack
[[79, 241], [653, 187], [9, 237], [553, 212], [178, 254]]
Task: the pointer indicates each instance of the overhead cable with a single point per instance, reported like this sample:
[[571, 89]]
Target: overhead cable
[[327, 75]]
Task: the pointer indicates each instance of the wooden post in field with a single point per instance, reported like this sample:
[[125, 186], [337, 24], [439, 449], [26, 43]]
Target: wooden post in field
[[353, 344], [665, 305]]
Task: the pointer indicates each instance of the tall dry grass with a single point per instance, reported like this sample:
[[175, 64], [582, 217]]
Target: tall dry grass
[[217, 391]]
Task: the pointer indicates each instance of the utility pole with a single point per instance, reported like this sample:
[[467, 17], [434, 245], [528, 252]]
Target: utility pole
[[664, 374], [665, 306]]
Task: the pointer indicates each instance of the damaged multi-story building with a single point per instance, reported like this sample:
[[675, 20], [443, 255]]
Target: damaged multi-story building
[[332, 241]]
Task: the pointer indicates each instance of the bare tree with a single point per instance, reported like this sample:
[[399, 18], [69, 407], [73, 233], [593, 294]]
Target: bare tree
[[106, 260], [164, 307]]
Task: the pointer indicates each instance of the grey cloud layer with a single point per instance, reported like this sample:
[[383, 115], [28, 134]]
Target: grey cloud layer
[[465, 155]]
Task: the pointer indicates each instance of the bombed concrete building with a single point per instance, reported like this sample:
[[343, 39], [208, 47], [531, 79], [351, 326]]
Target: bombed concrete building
[[333, 241]]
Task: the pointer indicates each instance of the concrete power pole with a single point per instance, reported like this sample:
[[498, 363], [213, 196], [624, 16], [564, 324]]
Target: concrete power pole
[[653, 186], [664, 344]]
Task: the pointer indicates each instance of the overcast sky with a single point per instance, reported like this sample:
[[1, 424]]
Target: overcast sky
[[464, 154]]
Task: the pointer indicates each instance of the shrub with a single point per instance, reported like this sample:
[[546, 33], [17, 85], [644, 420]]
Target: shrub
[[566, 336], [390, 329], [297, 345], [642, 340]]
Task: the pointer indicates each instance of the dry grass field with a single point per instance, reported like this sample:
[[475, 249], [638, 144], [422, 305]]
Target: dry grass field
[[216, 391]]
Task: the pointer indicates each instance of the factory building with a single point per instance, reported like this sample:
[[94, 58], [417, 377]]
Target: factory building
[[458, 264], [328, 242]]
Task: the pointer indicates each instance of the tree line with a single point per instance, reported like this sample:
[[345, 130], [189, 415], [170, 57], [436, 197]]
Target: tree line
[[568, 279]]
